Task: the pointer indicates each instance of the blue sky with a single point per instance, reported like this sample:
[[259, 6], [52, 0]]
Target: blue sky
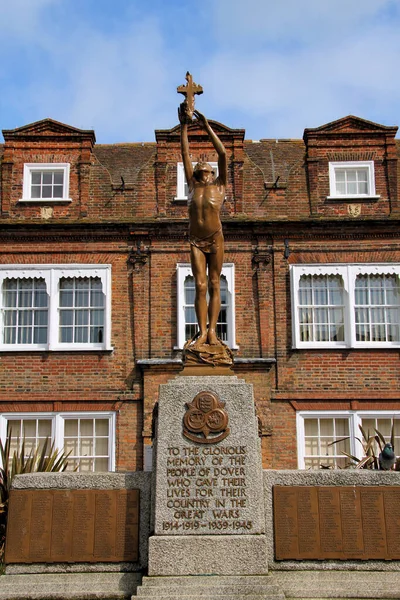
[[272, 67]]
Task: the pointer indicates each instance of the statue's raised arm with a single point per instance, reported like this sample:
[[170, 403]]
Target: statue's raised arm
[[187, 163], [218, 145]]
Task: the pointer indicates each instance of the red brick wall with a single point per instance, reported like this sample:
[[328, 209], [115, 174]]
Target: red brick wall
[[106, 223]]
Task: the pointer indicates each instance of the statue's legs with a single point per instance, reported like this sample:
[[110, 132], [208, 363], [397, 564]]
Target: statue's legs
[[215, 262], [199, 269]]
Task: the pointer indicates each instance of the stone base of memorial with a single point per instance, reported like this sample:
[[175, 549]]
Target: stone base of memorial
[[208, 513]]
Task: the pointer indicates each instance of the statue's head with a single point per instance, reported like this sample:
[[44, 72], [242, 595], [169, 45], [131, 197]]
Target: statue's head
[[203, 170]]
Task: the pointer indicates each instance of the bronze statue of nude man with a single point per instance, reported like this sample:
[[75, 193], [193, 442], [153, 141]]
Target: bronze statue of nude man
[[205, 199]]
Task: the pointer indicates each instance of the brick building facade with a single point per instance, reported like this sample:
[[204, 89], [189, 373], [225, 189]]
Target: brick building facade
[[97, 296]]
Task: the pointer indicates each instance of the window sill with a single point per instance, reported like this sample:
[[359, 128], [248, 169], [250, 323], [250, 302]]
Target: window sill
[[353, 198], [358, 346], [177, 200], [45, 200], [71, 348]]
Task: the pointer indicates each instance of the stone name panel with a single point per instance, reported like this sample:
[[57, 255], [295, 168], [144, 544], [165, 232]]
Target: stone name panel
[[207, 490], [341, 523], [47, 526]]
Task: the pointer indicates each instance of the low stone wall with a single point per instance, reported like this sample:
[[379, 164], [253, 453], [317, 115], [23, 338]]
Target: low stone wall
[[142, 481], [324, 478], [91, 481]]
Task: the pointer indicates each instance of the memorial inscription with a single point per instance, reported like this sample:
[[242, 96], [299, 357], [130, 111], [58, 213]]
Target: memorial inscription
[[206, 489], [48, 526], [336, 522]]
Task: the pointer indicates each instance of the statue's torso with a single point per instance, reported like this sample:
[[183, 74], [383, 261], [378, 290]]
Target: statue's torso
[[204, 204]]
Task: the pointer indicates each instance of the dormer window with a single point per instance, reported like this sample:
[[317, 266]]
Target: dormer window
[[46, 182], [352, 180]]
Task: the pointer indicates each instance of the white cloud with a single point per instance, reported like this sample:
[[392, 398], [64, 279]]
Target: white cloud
[[288, 20], [306, 85], [23, 17]]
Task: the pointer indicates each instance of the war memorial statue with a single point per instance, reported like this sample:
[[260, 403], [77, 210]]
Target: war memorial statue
[[205, 198]]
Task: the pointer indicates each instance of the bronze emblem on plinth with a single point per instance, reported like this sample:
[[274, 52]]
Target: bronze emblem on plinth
[[206, 420]]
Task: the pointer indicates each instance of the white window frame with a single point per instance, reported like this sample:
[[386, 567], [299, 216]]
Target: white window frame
[[368, 165], [348, 274], [355, 419], [52, 274], [30, 168], [181, 179], [58, 421], [185, 270]]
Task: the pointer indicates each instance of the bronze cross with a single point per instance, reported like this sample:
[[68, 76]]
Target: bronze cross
[[189, 90]]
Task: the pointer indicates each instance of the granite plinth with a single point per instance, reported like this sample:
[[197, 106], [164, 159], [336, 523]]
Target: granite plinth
[[207, 486], [207, 555]]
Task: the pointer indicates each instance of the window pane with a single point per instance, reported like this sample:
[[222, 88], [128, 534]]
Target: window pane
[[71, 427], [96, 335], [101, 426], [89, 438], [66, 298], [10, 318], [96, 298], [33, 431], [36, 177], [66, 317], [40, 335], [311, 427], [363, 188], [320, 433], [81, 335], [101, 447], [58, 191], [71, 445], [40, 317], [66, 335], [326, 319], [87, 447], [101, 464], [312, 446], [87, 324], [85, 465], [81, 317], [47, 191], [44, 427], [27, 325], [29, 428], [35, 192], [58, 177], [86, 426], [380, 321]]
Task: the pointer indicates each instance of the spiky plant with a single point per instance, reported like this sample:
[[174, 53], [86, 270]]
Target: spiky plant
[[47, 458], [369, 444]]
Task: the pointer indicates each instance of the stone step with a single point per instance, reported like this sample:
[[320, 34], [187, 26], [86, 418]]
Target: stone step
[[191, 580], [213, 587], [69, 586], [51, 595], [207, 590], [238, 595], [334, 584]]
